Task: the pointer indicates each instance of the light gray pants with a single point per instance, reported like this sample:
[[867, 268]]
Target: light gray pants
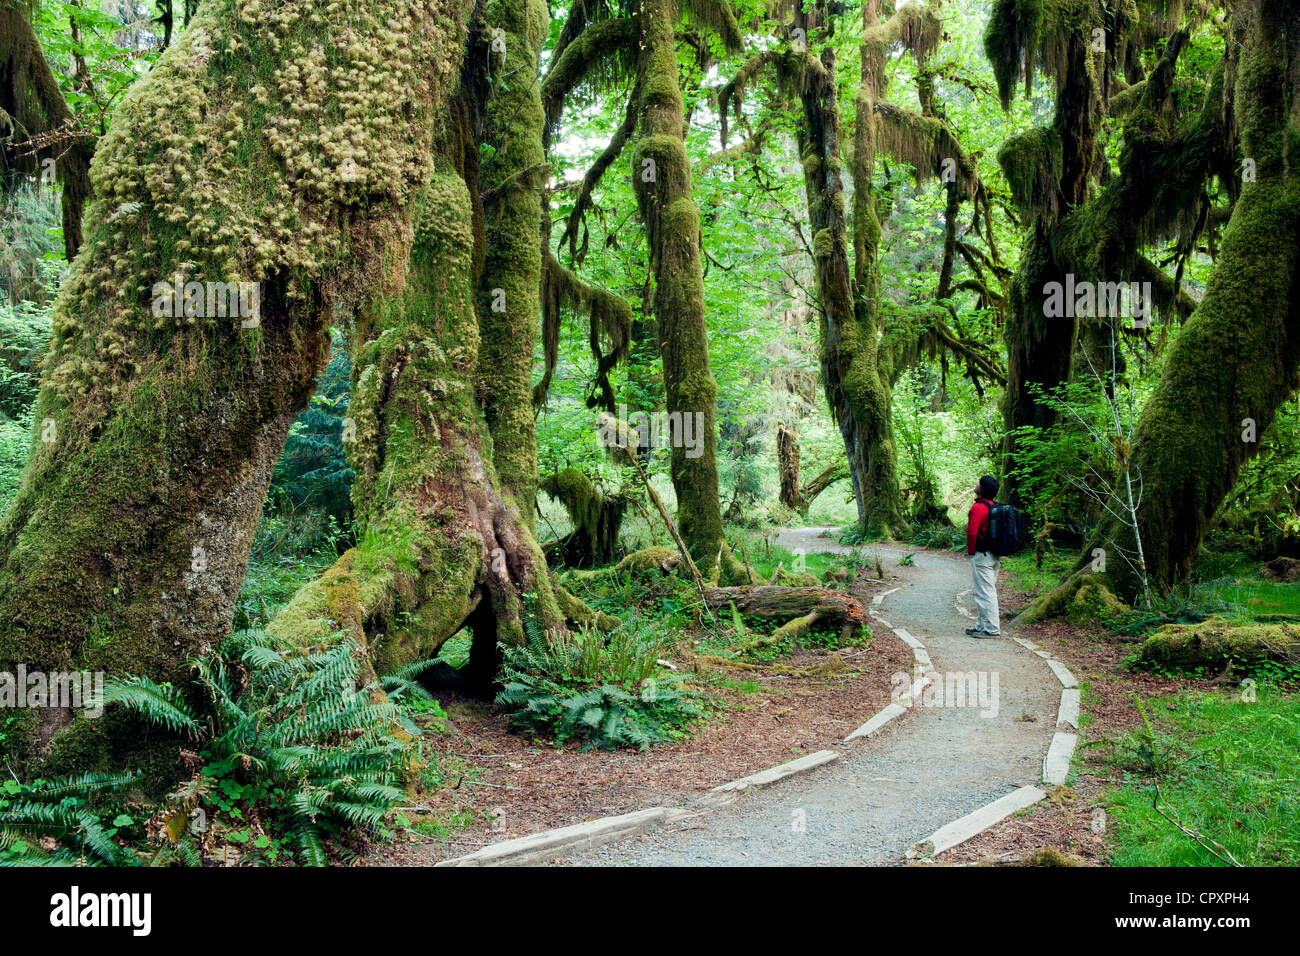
[[984, 571]]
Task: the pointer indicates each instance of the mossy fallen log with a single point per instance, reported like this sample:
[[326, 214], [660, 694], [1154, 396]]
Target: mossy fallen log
[[1214, 642], [799, 608]]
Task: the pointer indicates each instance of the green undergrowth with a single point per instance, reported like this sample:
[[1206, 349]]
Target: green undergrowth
[[1225, 767], [290, 758], [603, 690], [764, 556]]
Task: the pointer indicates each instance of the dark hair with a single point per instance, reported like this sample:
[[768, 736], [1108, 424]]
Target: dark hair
[[989, 486]]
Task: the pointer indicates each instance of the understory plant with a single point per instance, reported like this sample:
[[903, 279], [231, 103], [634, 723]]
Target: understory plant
[[607, 690], [72, 821], [292, 745]]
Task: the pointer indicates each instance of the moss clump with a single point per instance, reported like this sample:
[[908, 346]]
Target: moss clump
[[1009, 42], [1094, 601], [1213, 643], [798, 579], [1031, 162], [650, 559], [1051, 856]]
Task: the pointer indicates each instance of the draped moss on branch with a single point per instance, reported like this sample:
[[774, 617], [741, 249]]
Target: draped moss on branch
[[1238, 355], [610, 326]]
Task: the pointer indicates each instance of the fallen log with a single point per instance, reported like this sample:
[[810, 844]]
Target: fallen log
[[800, 608]]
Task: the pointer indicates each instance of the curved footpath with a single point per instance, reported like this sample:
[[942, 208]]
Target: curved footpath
[[888, 792]]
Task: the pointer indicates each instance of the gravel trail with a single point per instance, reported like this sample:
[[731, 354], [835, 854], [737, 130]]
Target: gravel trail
[[927, 768]]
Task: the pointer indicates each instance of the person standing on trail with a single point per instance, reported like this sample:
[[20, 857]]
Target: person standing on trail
[[983, 562]]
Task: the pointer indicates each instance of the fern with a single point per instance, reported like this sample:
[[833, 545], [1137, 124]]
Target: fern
[[591, 687], [31, 814], [295, 728]]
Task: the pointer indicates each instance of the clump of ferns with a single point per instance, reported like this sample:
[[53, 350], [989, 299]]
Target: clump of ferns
[[609, 691], [52, 823], [318, 751]]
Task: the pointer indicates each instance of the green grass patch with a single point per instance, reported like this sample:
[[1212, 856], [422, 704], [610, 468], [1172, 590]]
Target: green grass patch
[[1226, 769], [1022, 572]]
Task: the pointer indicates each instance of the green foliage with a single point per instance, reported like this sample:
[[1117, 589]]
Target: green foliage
[[1225, 766], [312, 473], [24, 333], [78, 814], [290, 740], [31, 251], [607, 690]]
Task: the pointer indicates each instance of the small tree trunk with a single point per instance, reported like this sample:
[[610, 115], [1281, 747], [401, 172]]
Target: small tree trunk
[[787, 463], [661, 176]]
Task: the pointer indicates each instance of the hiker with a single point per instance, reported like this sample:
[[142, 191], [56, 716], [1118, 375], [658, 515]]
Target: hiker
[[983, 562]]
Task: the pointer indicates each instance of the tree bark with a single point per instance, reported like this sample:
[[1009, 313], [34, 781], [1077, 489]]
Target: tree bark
[[128, 542], [661, 176]]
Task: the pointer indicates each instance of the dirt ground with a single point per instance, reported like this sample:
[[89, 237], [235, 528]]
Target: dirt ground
[[512, 786]]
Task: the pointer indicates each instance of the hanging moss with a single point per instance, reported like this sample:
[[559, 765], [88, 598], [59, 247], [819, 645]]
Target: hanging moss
[[1238, 355], [926, 144], [596, 518], [609, 326], [1031, 162]]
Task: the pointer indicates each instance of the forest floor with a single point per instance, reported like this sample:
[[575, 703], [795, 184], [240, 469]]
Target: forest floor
[[925, 769], [500, 784]]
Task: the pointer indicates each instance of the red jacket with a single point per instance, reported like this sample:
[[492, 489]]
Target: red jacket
[[977, 528]]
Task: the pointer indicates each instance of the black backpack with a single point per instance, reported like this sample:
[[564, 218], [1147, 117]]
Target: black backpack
[[1004, 529]]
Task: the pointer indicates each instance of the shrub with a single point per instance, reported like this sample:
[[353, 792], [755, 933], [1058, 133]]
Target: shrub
[[608, 690]]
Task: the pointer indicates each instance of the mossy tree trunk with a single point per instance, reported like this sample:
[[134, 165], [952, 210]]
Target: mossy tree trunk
[[36, 125], [446, 541], [264, 148], [661, 176], [510, 181], [856, 383], [1237, 356]]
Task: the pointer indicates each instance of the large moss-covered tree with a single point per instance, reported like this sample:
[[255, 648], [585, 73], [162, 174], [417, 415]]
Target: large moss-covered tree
[[284, 147], [661, 176], [1079, 218], [442, 399], [1238, 355]]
